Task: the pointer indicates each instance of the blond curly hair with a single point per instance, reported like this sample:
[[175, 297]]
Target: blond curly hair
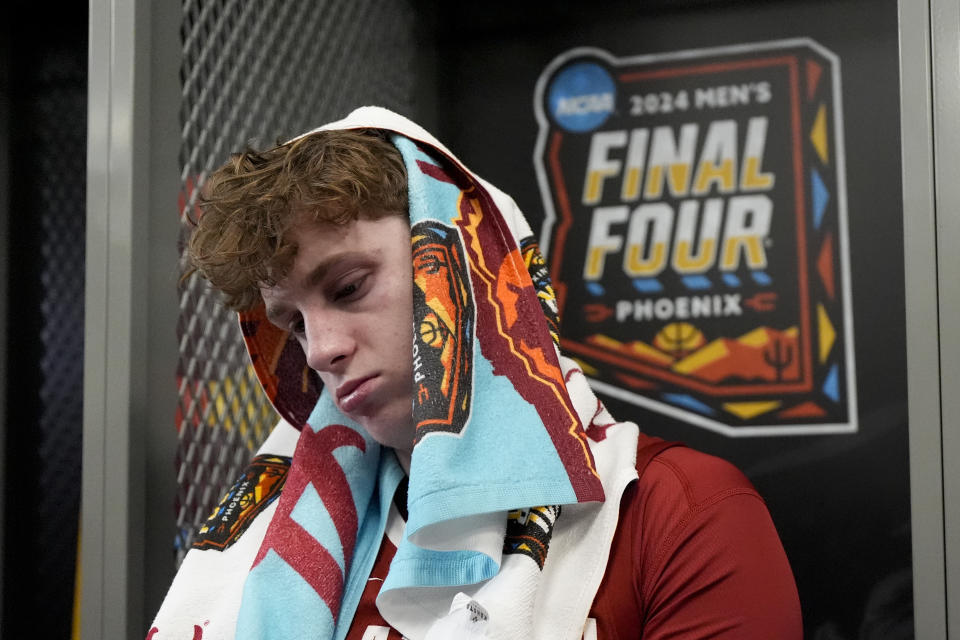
[[247, 206]]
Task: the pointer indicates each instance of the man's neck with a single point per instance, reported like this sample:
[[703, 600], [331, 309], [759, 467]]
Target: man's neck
[[404, 458]]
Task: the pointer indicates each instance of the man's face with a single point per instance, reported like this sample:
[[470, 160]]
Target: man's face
[[348, 300]]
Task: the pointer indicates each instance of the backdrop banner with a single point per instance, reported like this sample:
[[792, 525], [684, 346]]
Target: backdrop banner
[[696, 232]]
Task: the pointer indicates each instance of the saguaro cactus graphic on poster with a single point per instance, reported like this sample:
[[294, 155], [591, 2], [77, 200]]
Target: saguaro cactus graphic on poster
[[696, 232]]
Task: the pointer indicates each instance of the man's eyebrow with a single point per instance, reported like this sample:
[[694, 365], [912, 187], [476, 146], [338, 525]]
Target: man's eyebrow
[[322, 268]]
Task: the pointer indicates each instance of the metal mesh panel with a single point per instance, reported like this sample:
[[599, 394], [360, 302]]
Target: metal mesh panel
[[60, 153], [255, 73]]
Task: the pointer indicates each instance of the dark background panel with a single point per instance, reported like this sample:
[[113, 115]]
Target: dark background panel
[[841, 502], [45, 61]]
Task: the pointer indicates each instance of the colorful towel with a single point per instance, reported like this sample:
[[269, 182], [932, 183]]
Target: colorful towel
[[505, 426]]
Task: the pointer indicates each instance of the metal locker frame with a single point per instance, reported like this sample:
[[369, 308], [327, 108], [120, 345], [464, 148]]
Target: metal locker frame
[[930, 148], [130, 341], [130, 314], [945, 18]]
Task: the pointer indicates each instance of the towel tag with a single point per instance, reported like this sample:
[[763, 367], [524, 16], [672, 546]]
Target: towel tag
[[478, 613], [467, 620]]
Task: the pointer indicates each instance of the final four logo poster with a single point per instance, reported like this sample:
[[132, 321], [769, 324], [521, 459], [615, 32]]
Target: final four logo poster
[[696, 232]]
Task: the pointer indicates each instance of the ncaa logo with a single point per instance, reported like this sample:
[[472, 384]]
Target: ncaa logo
[[581, 97]]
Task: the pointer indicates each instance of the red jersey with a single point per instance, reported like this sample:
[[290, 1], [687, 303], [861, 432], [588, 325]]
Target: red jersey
[[695, 555]]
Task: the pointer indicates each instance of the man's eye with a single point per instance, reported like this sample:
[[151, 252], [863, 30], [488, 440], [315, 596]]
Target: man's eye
[[296, 326], [346, 291], [349, 290]]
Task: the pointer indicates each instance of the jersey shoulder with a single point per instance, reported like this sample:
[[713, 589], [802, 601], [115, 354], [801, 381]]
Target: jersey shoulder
[[695, 549], [689, 478]]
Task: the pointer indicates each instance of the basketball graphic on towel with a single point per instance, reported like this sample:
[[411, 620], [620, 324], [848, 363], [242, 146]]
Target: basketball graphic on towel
[[443, 338]]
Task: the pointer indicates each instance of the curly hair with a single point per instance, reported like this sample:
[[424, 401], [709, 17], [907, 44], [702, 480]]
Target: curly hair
[[248, 205]]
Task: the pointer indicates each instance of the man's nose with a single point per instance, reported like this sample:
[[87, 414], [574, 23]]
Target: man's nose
[[329, 341]]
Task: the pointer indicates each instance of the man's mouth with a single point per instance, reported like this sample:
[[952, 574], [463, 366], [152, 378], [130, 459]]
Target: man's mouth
[[353, 393]]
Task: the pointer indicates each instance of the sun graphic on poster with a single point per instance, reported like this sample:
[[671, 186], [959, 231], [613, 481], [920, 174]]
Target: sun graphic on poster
[[679, 339]]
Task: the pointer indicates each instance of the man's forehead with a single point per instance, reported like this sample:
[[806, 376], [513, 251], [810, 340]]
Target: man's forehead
[[309, 222]]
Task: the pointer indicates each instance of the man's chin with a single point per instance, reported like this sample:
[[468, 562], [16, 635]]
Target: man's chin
[[388, 434]]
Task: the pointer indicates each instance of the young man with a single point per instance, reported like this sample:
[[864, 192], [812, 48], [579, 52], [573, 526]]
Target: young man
[[442, 471]]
